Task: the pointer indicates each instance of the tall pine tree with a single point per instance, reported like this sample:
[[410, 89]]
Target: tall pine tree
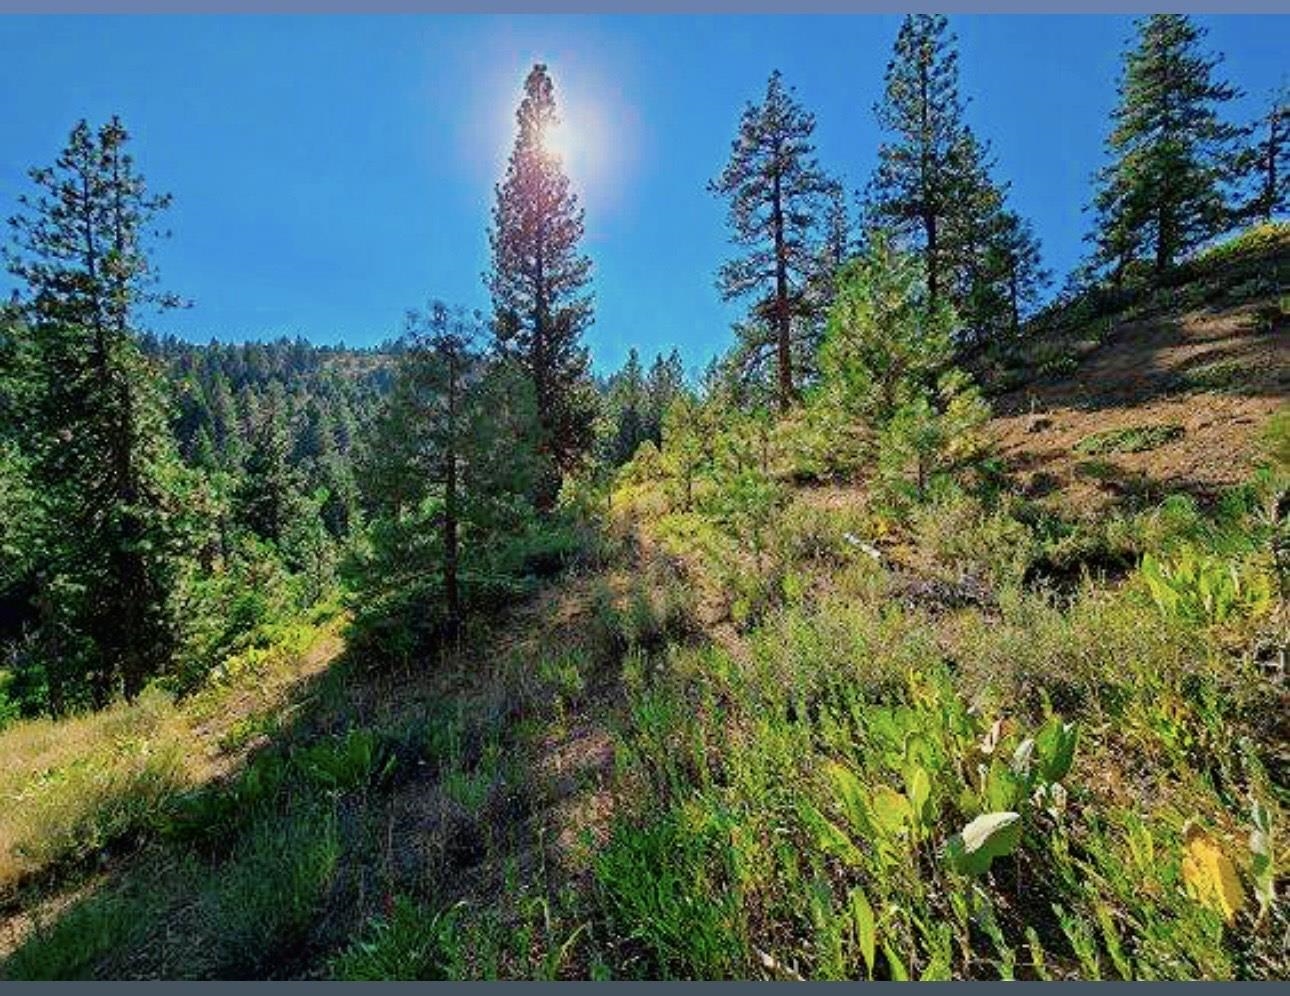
[[538, 283], [917, 187], [1268, 162], [101, 455], [1172, 157], [779, 205]]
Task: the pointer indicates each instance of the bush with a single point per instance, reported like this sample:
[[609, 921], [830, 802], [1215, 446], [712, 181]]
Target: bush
[[1133, 439], [967, 537]]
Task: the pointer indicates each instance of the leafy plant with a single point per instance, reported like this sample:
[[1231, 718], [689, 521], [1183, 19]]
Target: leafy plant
[[358, 758], [990, 836], [1134, 439], [1205, 588]]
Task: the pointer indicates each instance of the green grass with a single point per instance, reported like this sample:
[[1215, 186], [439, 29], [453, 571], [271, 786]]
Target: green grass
[[265, 899], [411, 943], [1135, 439], [71, 945]]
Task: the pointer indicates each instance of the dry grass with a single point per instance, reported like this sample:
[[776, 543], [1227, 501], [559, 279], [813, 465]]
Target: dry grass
[[71, 786]]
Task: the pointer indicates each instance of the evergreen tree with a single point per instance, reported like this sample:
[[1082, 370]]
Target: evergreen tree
[[451, 459], [224, 424], [917, 188], [538, 283], [1171, 155], [779, 199], [887, 339], [887, 359], [971, 232], [1015, 261], [627, 402], [685, 446], [267, 497], [1267, 162], [102, 458], [934, 186], [664, 384]]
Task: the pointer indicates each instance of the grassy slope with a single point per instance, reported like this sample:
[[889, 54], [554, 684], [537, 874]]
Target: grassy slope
[[623, 778]]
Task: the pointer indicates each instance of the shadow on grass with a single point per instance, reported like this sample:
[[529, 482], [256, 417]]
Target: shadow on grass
[[410, 785]]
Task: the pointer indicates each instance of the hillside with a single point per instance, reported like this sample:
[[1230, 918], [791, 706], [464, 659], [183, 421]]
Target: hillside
[[678, 759], [1165, 397]]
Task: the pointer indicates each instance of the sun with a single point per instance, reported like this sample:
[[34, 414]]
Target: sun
[[557, 140]]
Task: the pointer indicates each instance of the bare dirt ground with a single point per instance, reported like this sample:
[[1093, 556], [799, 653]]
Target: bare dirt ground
[[1217, 375]]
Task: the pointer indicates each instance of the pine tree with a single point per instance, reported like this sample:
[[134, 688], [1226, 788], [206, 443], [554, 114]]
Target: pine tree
[[538, 283], [455, 450], [1267, 162], [664, 384], [779, 199], [1015, 261], [887, 359], [971, 232], [442, 380], [224, 424], [627, 403], [917, 188], [685, 446], [267, 497], [887, 339], [102, 458], [1171, 156]]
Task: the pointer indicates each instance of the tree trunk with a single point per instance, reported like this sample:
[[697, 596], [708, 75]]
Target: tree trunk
[[452, 593], [928, 200], [783, 326]]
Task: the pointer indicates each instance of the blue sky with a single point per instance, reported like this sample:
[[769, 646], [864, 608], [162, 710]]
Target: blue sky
[[331, 172]]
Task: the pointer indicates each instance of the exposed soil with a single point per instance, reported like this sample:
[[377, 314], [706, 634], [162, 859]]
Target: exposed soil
[[1147, 374]]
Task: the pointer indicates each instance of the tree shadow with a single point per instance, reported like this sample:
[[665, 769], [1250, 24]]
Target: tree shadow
[[460, 798]]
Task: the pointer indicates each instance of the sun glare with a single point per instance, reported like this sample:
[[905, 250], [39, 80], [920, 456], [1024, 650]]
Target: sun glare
[[556, 140]]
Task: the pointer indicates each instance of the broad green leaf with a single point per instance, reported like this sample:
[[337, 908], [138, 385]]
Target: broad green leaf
[[899, 973], [918, 787], [1055, 749], [831, 839], [851, 794], [987, 837], [865, 925], [891, 809], [1004, 789]]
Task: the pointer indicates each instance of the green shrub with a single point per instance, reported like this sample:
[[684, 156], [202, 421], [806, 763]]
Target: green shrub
[[9, 709], [410, 943], [1206, 589], [970, 538], [1135, 439], [358, 758]]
